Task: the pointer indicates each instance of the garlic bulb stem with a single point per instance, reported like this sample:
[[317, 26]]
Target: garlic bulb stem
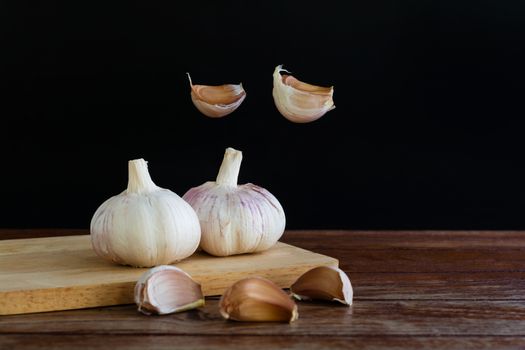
[[230, 167], [139, 180]]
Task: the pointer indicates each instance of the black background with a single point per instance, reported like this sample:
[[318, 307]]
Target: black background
[[427, 133]]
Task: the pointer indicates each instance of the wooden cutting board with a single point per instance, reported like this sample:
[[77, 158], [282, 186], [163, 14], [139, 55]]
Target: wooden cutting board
[[61, 273]]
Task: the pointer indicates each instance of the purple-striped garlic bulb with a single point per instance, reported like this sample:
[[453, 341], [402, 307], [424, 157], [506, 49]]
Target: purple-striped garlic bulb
[[235, 219]]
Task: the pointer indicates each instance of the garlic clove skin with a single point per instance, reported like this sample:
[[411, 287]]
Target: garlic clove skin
[[167, 289], [257, 299], [217, 101], [300, 102], [324, 283], [145, 225], [236, 219]]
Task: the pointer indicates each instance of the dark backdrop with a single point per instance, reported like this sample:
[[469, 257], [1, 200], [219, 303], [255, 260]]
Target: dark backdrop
[[427, 133]]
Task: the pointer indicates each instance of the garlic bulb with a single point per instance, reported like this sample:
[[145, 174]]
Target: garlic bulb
[[145, 225], [236, 219], [257, 299], [167, 289], [217, 101], [300, 102], [324, 283]]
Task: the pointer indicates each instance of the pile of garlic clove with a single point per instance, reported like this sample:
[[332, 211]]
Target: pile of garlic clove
[[297, 101], [167, 289]]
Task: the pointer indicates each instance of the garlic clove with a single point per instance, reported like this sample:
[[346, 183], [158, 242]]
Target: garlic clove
[[324, 283], [300, 102], [167, 289], [217, 101], [257, 299]]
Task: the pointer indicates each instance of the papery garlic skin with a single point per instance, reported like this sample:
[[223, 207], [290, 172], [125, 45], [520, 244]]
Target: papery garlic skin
[[300, 102], [167, 289], [217, 101], [236, 219], [145, 225]]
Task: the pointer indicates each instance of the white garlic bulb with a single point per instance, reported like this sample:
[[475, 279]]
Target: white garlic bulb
[[145, 225], [236, 219], [300, 102], [217, 101]]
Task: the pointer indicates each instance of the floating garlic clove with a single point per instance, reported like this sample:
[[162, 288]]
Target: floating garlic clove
[[300, 102], [217, 101], [257, 300], [236, 219], [167, 289], [145, 225], [324, 283]]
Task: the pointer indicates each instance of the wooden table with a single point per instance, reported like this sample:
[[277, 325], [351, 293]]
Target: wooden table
[[437, 290]]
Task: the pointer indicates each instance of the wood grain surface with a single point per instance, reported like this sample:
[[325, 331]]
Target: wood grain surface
[[63, 273], [412, 290]]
